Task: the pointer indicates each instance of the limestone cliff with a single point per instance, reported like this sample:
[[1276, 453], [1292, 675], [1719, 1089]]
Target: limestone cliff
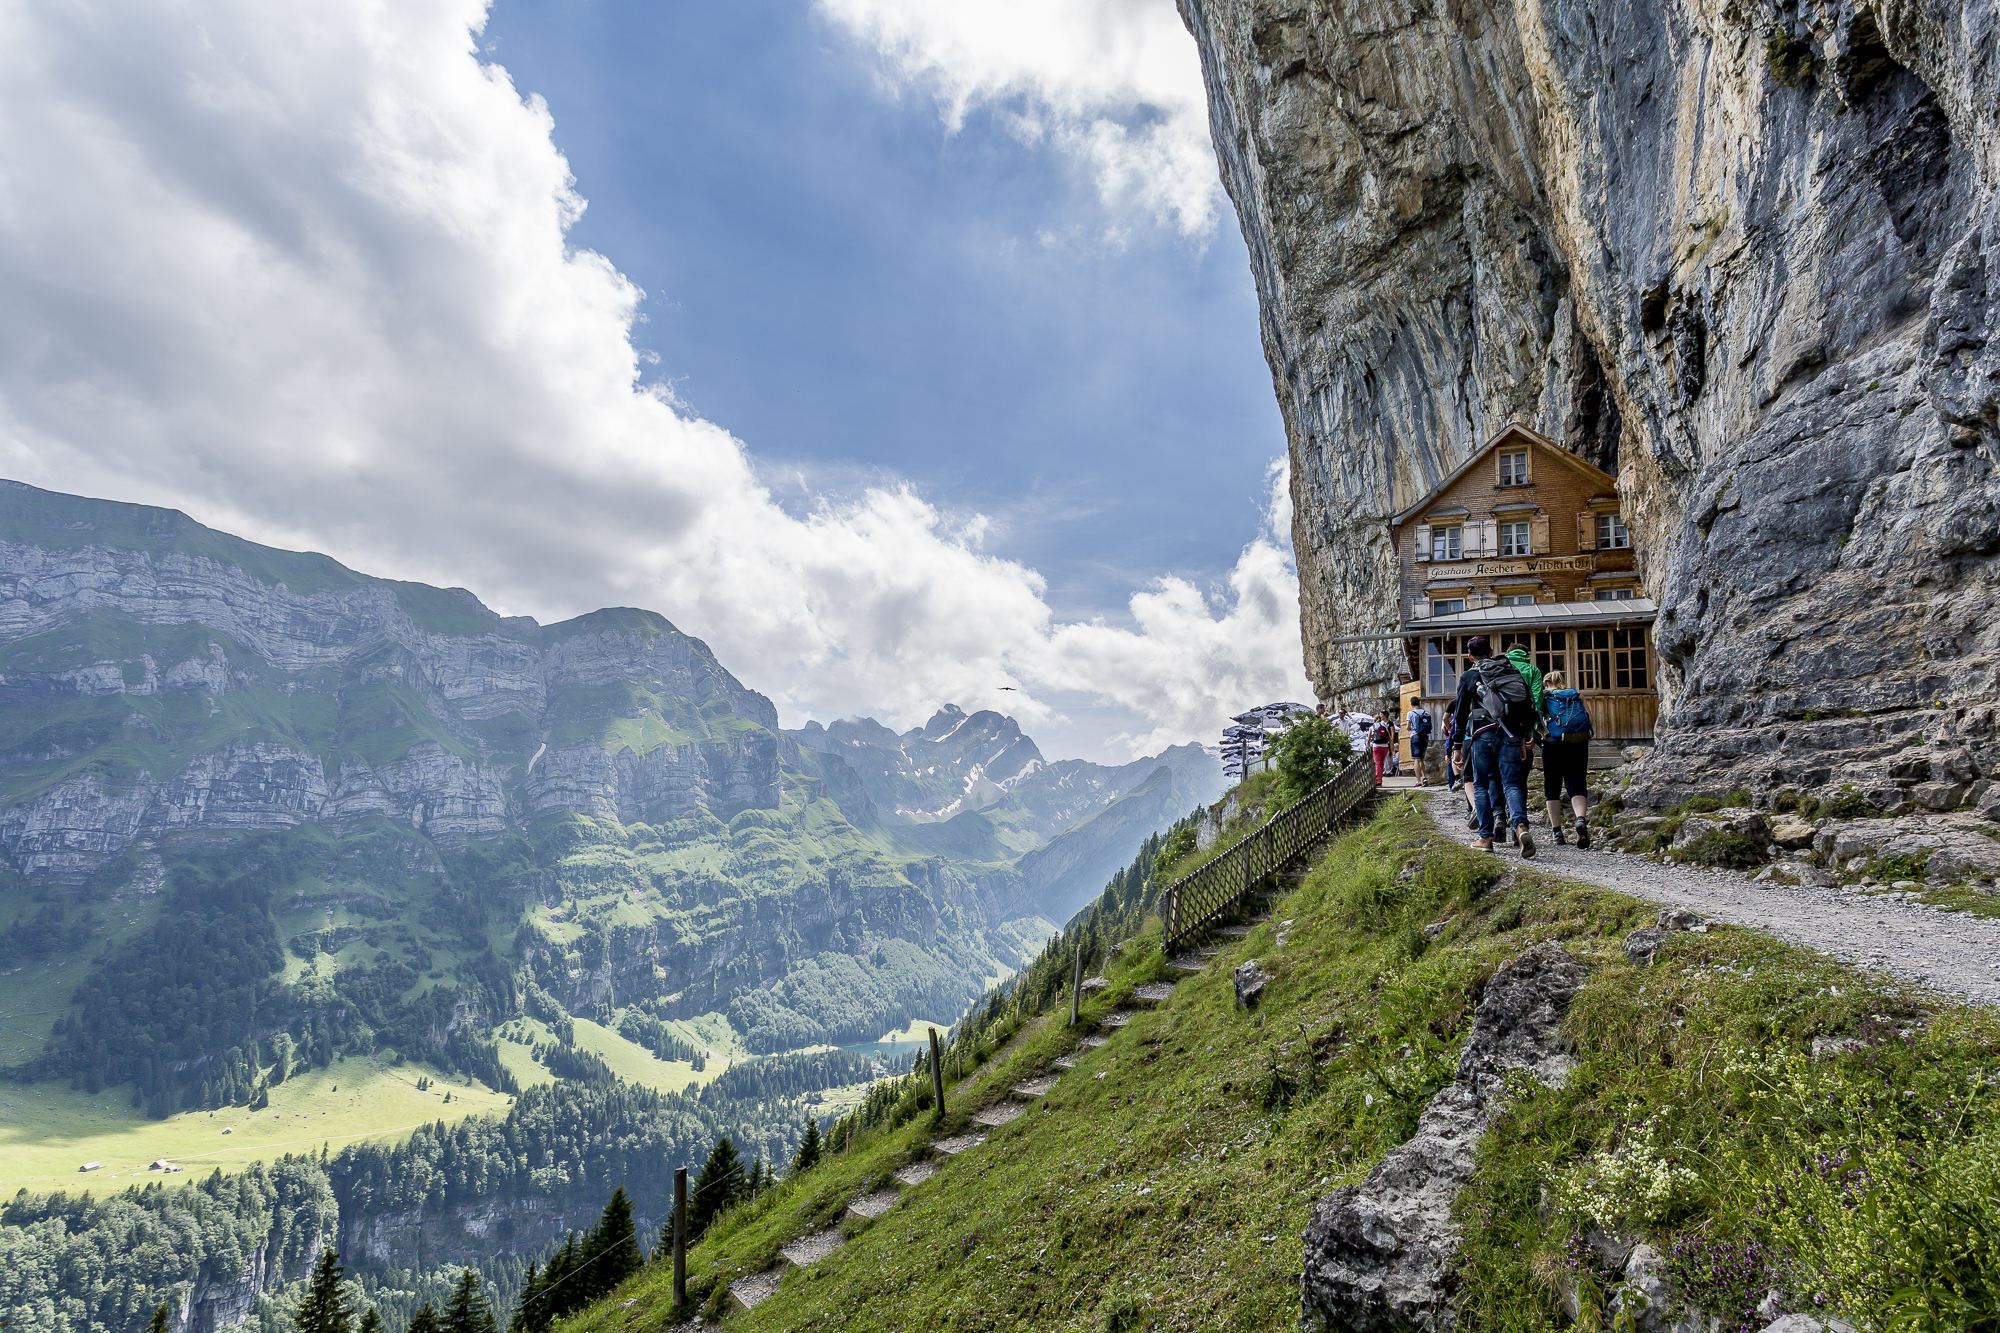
[[1737, 253]]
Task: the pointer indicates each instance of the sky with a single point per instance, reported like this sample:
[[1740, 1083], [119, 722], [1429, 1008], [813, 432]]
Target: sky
[[900, 349]]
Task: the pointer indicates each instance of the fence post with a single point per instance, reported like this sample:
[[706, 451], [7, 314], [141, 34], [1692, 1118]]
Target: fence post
[[680, 1235], [937, 1073], [1076, 987]]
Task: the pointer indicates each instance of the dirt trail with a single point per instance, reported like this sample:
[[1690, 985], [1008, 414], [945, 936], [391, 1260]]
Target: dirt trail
[[1947, 951]]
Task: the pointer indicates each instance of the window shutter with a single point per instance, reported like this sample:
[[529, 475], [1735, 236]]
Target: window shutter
[[1422, 608], [1423, 541], [1528, 466], [1586, 531], [1538, 534], [1489, 538]]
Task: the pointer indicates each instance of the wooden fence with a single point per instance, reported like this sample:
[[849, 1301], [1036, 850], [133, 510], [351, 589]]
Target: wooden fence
[[1212, 892]]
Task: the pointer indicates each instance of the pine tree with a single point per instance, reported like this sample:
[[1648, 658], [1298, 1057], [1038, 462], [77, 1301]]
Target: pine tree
[[425, 1320], [719, 1185], [370, 1322], [324, 1309], [612, 1248], [469, 1312], [809, 1147], [531, 1296], [163, 1319]]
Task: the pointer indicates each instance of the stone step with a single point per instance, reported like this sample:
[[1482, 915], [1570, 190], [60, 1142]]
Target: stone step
[[1035, 1087], [1153, 992], [1092, 985], [1064, 1062], [1095, 1040], [1188, 962], [872, 1205], [958, 1143], [750, 1292], [1115, 1020], [916, 1173], [1233, 932], [811, 1249], [1000, 1113]]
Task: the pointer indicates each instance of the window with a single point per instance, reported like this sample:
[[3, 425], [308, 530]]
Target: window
[[1447, 543], [1612, 534], [1611, 659], [1616, 594], [1514, 539], [1517, 599], [1514, 469], [1445, 606], [1548, 647], [1443, 661]]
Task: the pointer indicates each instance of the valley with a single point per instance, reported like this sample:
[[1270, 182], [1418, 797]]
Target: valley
[[298, 854]]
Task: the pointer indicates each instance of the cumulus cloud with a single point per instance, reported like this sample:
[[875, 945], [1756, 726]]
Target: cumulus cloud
[[301, 271], [1114, 84]]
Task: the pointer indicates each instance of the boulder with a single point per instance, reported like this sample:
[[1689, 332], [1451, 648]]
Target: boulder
[[1957, 766], [1794, 872], [1379, 1254], [1682, 918], [1646, 1304], [1250, 982], [1938, 795], [1743, 823], [1805, 1323], [1793, 835], [1641, 945]]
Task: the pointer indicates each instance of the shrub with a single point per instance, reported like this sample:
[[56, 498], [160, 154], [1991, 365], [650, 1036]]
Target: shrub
[[1848, 804], [1719, 847], [1118, 1313], [1310, 751]]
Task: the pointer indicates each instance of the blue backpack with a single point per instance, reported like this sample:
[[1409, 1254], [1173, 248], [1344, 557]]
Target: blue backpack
[[1568, 718]]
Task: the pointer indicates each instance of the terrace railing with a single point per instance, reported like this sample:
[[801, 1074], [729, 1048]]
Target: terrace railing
[[1212, 892]]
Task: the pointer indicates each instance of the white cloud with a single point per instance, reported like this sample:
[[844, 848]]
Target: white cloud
[[301, 271], [1114, 84]]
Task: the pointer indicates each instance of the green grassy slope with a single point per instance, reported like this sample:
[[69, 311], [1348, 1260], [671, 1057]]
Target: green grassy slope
[[1165, 1182]]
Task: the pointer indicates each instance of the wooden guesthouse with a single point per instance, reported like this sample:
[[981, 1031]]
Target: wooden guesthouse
[[1525, 544]]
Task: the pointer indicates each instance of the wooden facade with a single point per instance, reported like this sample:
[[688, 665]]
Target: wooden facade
[[1526, 545]]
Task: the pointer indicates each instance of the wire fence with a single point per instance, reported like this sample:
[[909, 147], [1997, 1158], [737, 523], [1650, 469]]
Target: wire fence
[[1212, 892]]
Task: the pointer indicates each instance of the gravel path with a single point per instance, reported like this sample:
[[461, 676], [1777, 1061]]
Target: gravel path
[[1954, 952]]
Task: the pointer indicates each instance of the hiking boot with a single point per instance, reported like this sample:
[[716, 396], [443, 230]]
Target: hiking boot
[[1526, 838], [1483, 845], [1560, 840], [1472, 821], [1582, 836]]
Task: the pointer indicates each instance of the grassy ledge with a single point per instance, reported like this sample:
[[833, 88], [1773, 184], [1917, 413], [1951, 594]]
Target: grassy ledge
[[1164, 1183]]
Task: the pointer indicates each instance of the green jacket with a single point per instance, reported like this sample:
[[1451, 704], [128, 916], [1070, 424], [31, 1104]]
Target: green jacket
[[1532, 674]]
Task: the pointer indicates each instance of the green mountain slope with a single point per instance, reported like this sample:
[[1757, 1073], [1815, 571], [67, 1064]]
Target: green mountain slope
[[1168, 1180]]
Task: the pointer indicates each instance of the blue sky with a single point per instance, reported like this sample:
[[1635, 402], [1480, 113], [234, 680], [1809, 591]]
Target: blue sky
[[851, 289], [945, 376]]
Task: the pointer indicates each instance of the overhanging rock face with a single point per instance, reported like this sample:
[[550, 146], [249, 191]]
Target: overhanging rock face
[[1748, 258]]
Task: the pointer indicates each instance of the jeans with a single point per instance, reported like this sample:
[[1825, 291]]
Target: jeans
[[1499, 773]]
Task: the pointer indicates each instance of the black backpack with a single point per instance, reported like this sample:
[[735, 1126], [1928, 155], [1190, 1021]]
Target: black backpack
[[1420, 726], [1503, 696]]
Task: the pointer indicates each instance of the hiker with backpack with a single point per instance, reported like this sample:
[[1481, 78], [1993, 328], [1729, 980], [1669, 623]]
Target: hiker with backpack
[[1418, 724], [1566, 756], [1381, 740], [1496, 721]]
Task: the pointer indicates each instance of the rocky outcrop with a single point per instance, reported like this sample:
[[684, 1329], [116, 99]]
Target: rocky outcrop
[[1741, 255], [161, 680], [1378, 1254]]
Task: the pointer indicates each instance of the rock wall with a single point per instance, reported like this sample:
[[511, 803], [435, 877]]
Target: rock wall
[[1737, 253]]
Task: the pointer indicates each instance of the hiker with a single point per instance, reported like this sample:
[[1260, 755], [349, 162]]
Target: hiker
[[1455, 775], [1418, 724], [1531, 673], [1566, 756], [1496, 721], [1381, 739]]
